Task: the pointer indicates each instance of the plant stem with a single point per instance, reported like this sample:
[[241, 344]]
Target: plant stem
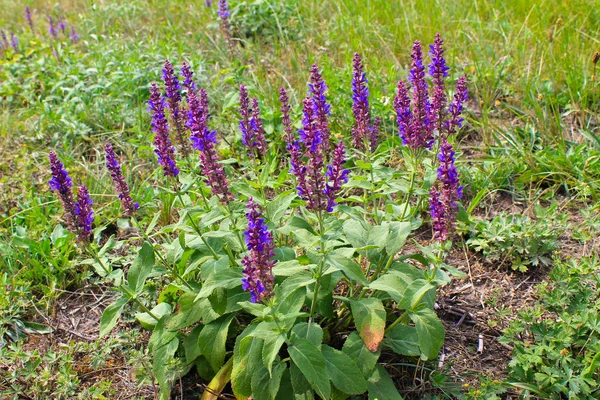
[[320, 273], [197, 229]]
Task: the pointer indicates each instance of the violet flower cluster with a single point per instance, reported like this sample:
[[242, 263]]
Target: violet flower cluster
[[308, 154], [205, 141], [258, 265], [251, 125], [364, 131], [445, 196], [78, 215], [117, 176], [29, 18], [162, 142], [224, 14], [173, 97], [286, 120], [52, 28]]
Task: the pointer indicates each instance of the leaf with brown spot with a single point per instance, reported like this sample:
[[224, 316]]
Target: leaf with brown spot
[[369, 318]]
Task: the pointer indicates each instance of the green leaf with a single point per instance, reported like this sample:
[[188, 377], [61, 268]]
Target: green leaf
[[363, 357], [228, 278], [256, 309], [313, 332], [246, 353], [302, 389], [111, 315], [355, 233], [159, 311], [277, 207], [430, 331], [414, 293], [270, 350], [381, 387], [161, 361], [393, 284], [311, 362], [141, 268], [264, 384], [190, 345], [399, 232], [349, 267], [378, 236], [343, 371], [218, 300], [212, 341], [369, 318], [403, 340]]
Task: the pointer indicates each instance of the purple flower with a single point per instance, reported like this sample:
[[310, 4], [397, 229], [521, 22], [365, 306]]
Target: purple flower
[[52, 28], [74, 36], [286, 120], [225, 27], [438, 71], [223, 10], [336, 175], [456, 107], [246, 114], [84, 213], [321, 109], [361, 131], [62, 25], [173, 95], [4, 40], [29, 18], [208, 3], [403, 112], [162, 142], [258, 265], [62, 183], [445, 195], [188, 78], [205, 141], [421, 134], [14, 41], [120, 184], [374, 133]]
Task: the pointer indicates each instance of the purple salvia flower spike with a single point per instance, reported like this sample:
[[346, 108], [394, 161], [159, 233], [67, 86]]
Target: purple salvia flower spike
[[162, 142], [438, 71], [456, 107], [258, 265], [84, 212], [403, 112], [360, 106], [224, 14], [374, 134], [445, 196], [205, 141], [246, 115], [256, 122], [421, 134], [286, 119], [29, 18], [52, 28], [173, 95], [5, 43], [62, 183], [336, 175], [321, 108], [74, 36], [62, 25], [208, 3], [117, 176], [188, 78], [14, 41]]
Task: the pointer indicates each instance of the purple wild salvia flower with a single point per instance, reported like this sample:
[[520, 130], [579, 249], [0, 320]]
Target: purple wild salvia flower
[[173, 95], [29, 18], [62, 183], [286, 120], [205, 141], [246, 115], [162, 142], [445, 195], [74, 36], [421, 134], [438, 71], [117, 176], [4, 40], [374, 134], [258, 131], [403, 113], [321, 109], [14, 41], [84, 213], [360, 107], [62, 25], [258, 265], [336, 175], [456, 107], [225, 27], [52, 28], [208, 3]]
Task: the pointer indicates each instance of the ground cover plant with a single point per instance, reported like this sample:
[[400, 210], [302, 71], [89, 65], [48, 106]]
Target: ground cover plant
[[213, 225]]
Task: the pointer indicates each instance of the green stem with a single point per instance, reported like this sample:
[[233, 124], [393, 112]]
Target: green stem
[[197, 229], [320, 273], [404, 318]]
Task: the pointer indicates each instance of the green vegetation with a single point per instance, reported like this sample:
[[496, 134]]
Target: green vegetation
[[531, 139]]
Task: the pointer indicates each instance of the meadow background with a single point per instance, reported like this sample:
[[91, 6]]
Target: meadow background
[[530, 147]]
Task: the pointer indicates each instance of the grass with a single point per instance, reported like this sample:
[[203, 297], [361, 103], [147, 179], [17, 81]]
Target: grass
[[532, 123]]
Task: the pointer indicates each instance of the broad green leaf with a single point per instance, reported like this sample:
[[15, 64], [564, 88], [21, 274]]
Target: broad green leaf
[[355, 233], [369, 318], [218, 300], [295, 224], [393, 284], [212, 341], [311, 362], [289, 268], [399, 232], [313, 332], [246, 353], [228, 278], [286, 390], [189, 313], [430, 331], [277, 208], [381, 387], [343, 371], [161, 361], [111, 315], [270, 350], [284, 254], [363, 357], [159, 311], [265, 385], [378, 236], [414, 293], [349, 267], [141, 268], [292, 284], [190, 344], [403, 340], [256, 309], [302, 389]]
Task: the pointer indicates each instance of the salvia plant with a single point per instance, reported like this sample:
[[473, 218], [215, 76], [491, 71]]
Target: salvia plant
[[287, 273]]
